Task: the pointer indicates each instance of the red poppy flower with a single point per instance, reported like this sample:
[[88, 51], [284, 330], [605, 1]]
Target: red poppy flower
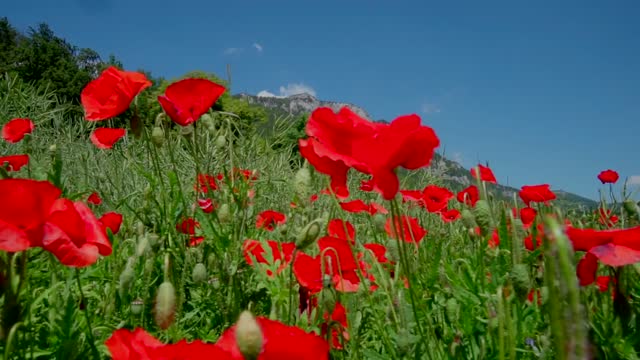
[[206, 182], [415, 196], [24, 206], [14, 162], [528, 241], [268, 219], [111, 93], [186, 100], [344, 140], [450, 215], [188, 226], [195, 240], [379, 251], [336, 228], [105, 138], [608, 176], [206, 205], [94, 199], [587, 269], [606, 217], [357, 206], [366, 185], [617, 247], [74, 235], [533, 295], [528, 216], [494, 240], [469, 196], [336, 322], [282, 252], [410, 229], [536, 193], [16, 129], [279, 342], [436, 198], [486, 174], [112, 221], [603, 283], [125, 344]]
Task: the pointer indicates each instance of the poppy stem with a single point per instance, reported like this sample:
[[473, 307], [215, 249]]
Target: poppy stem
[[92, 341]]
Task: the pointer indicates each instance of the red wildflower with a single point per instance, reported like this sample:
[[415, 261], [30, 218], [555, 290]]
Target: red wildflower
[[111, 93], [14, 162], [341, 141], [186, 100], [279, 342], [16, 129], [410, 229], [450, 215], [337, 261], [206, 205], [24, 206], [469, 196], [268, 219], [282, 252], [336, 322], [356, 206], [412, 196], [528, 215], [486, 174], [379, 252], [94, 199], [112, 220], [528, 241], [608, 176], [366, 185], [436, 198], [105, 138], [336, 228], [606, 217], [533, 295], [494, 241], [195, 240], [74, 235], [603, 283], [188, 226], [536, 193], [139, 345], [206, 182]]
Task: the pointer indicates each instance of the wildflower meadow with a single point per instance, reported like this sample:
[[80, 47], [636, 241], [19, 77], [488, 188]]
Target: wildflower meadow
[[161, 226]]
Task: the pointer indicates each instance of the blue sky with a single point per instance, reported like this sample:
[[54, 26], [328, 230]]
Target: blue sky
[[546, 92]]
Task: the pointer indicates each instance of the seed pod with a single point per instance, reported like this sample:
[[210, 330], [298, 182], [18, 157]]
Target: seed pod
[[248, 336], [165, 305], [199, 274]]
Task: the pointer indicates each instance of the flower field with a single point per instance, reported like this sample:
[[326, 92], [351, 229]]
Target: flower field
[[178, 234]]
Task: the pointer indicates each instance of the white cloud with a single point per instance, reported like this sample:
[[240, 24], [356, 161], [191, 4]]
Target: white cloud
[[258, 47], [290, 89], [430, 108], [634, 180], [232, 51]]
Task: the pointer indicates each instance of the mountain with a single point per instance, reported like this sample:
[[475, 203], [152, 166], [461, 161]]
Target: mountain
[[298, 104], [453, 174]]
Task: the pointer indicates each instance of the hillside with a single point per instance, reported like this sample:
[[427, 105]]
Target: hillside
[[453, 174]]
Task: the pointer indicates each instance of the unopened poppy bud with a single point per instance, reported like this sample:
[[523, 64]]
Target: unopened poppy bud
[[452, 310], [482, 214], [631, 207], [328, 299], [136, 306], [224, 213], [165, 305], [302, 182], [53, 148], [199, 274], [142, 246], [126, 277], [206, 120], [308, 234], [468, 219], [393, 253], [186, 131], [148, 266], [140, 228], [157, 136], [248, 336], [379, 220], [403, 341], [221, 142], [520, 278]]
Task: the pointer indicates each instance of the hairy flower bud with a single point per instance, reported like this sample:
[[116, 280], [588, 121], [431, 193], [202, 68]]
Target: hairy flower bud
[[165, 305], [482, 214], [379, 220], [308, 234], [136, 306], [302, 183], [126, 277], [199, 274], [224, 213], [248, 336], [221, 142], [520, 278], [157, 136]]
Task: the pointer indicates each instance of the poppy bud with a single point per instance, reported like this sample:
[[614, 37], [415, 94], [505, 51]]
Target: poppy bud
[[520, 279], [221, 142], [186, 131], [199, 274], [482, 213], [206, 120], [148, 266], [157, 136], [53, 148], [136, 306], [468, 219], [379, 220], [302, 182], [393, 253], [452, 310], [224, 213], [248, 336], [328, 299], [631, 207], [140, 228], [404, 341], [126, 277], [142, 246], [165, 305], [308, 235]]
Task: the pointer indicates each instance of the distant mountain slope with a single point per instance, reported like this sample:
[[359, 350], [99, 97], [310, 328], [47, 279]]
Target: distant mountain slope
[[453, 174]]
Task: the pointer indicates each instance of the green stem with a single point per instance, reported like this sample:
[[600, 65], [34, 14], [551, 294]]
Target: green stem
[[92, 341]]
